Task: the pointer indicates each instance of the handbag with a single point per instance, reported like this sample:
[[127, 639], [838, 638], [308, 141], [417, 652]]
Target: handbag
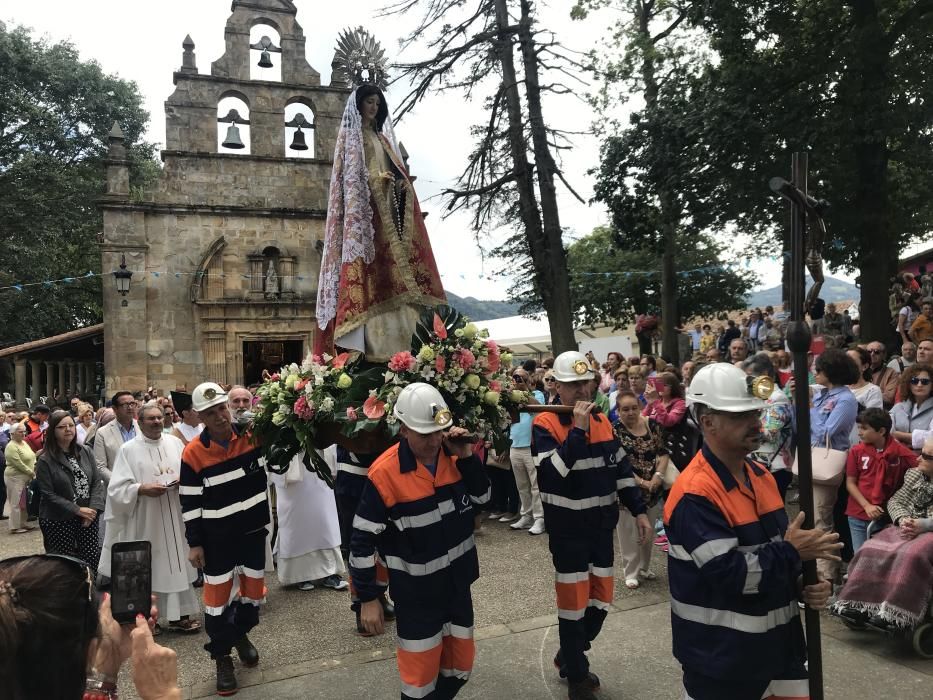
[[670, 475], [829, 465]]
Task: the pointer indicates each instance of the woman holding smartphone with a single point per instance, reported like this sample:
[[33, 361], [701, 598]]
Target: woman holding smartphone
[[665, 397], [73, 493]]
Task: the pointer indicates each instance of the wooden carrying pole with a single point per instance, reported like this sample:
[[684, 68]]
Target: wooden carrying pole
[[798, 341]]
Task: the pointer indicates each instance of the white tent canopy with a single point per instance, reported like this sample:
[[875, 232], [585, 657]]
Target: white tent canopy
[[530, 337]]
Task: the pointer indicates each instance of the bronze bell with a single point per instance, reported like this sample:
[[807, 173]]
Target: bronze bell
[[265, 60], [233, 138], [298, 143]]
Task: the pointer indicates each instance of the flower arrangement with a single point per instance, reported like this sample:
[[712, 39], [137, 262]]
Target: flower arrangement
[[347, 399]]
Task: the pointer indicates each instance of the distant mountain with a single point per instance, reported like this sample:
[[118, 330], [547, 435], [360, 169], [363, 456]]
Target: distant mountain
[[832, 290], [482, 310]]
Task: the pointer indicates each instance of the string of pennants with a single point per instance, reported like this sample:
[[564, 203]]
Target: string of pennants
[[22, 286]]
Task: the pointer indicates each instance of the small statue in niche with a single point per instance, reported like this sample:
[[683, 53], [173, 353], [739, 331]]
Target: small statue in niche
[[272, 286]]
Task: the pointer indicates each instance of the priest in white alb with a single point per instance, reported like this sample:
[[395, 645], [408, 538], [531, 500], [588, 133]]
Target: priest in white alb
[[142, 504], [307, 547]]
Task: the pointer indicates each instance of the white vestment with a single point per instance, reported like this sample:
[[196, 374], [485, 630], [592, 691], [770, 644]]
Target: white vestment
[[158, 520], [307, 547]]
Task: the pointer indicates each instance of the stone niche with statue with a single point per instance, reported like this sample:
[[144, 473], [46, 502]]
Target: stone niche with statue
[[225, 246]]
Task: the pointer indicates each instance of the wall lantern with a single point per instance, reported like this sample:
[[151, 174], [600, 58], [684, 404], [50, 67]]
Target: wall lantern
[[122, 279]]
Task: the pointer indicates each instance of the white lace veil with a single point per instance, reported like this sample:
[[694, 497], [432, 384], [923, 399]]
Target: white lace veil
[[348, 233]]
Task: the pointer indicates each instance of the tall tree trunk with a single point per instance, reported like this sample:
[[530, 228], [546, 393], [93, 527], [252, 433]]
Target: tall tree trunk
[[560, 314], [871, 76], [667, 200], [545, 258]]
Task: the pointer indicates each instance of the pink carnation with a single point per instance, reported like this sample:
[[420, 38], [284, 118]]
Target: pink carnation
[[402, 362], [302, 409], [373, 408], [317, 359], [440, 364], [274, 377], [466, 359], [495, 385], [352, 414]]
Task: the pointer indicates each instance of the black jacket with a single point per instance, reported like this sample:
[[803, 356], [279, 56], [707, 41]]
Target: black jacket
[[55, 484]]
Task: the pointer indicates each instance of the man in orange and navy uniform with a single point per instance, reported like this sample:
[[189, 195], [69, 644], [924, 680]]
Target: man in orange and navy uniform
[[352, 470], [223, 500], [583, 474], [734, 561], [416, 515]]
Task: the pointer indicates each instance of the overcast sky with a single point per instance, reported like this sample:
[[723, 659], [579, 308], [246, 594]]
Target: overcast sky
[[141, 41]]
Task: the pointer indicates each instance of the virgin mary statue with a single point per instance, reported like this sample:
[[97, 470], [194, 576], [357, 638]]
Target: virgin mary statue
[[377, 271]]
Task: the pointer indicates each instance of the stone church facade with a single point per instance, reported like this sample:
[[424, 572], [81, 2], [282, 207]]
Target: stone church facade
[[224, 247]]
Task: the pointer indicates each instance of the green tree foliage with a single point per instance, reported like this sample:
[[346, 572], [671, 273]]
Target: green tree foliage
[[849, 82], [610, 284], [55, 114]]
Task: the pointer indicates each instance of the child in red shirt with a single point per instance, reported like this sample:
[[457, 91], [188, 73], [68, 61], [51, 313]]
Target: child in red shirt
[[874, 471]]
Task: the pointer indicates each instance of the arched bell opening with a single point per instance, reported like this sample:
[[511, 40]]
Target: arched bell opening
[[299, 129], [233, 133], [265, 55]]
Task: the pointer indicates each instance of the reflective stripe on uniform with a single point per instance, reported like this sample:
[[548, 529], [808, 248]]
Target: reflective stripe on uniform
[[224, 478], [190, 490], [706, 552], [361, 523], [578, 503], [411, 521], [433, 566], [233, 507], [351, 469], [750, 624]]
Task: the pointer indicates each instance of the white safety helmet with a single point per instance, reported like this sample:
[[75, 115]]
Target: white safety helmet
[[725, 387], [422, 408], [206, 395], [572, 366]]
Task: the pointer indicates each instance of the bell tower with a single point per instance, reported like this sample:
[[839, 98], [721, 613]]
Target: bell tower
[[222, 246]]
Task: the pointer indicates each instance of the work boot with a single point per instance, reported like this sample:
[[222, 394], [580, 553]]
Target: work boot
[[249, 655], [581, 691], [592, 680], [388, 610], [226, 678]]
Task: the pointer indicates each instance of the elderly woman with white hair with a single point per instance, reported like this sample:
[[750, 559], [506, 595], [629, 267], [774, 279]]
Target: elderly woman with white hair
[[20, 470], [891, 576]]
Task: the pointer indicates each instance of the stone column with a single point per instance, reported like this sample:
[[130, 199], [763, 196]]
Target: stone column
[[35, 390], [215, 359], [49, 379], [19, 375], [73, 377], [61, 378]]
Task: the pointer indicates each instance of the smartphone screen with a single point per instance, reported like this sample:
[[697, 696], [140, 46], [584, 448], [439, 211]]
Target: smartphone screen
[[131, 580]]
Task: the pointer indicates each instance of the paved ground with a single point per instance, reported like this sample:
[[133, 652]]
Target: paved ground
[[309, 649]]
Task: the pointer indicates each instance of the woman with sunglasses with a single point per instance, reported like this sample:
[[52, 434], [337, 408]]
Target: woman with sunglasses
[[73, 493], [51, 620], [912, 418]]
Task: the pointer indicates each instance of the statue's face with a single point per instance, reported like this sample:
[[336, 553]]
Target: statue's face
[[370, 108]]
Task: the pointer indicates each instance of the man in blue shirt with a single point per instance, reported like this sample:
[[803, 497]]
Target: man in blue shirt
[[523, 464]]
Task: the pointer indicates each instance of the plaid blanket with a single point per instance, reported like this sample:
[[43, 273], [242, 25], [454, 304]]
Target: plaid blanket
[[891, 577]]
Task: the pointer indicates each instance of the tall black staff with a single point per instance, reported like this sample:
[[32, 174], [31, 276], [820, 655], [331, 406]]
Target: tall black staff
[[798, 341]]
